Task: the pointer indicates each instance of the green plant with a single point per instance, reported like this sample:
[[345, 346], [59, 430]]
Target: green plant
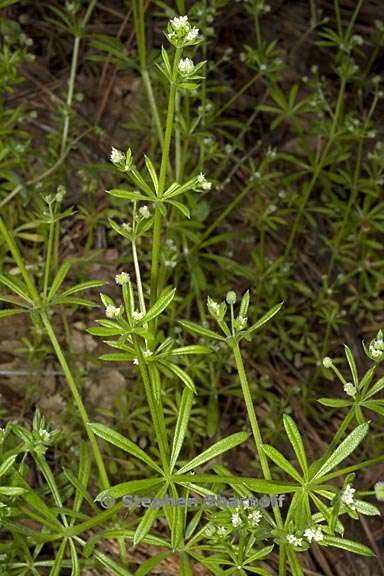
[[158, 215]]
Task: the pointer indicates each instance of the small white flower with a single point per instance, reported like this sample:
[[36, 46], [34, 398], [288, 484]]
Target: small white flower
[[192, 34], [122, 278], [314, 533], [179, 22], [327, 362], [347, 496], [201, 179], [236, 520], [44, 435], [222, 531], [144, 212], [292, 539], [112, 311], [127, 226], [242, 322], [350, 389], [254, 518], [186, 66], [214, 307], [147, 353], [210, 530], [117, 156], [137, 315], [136, 361]]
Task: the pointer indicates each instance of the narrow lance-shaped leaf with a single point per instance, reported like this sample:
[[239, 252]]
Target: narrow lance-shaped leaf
[[352, 365], [148, 519], [120, 441], [266, 318], [349, 545], [163, 301], [181, 425], [281, 462], [201, 330], [213, 451], [296, 441], [59, 279], [343, 450]]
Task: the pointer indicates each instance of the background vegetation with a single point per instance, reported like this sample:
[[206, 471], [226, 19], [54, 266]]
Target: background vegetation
[[278, 140]]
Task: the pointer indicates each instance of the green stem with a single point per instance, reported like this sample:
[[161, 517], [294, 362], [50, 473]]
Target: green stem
[[162, 178], [48, 258], [254, 423], [76, 395], [156, 409], [72, 75]]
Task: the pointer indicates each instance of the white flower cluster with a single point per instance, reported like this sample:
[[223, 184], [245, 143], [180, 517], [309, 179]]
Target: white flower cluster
[[236, 520], [254, 518], [376, 347], [144, 212], [112, 311], [122, 278], [348, 497], [327, 362], [314, 533], [203, 182], [181, 33], [137, 315], [122, 161], [292, 539], [186, 66], [350, 389]]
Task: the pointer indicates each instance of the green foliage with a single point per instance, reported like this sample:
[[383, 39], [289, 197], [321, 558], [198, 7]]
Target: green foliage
[[167, 437]]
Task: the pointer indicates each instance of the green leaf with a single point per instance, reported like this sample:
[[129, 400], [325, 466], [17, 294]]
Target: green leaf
[[197, 329], [16, 286], [57, 565], [377, 387], [281, 462], [162, 302], [294, 562], [266, 318], [128, 488], [193, 349], [7, 464], [147, 566], [349, 545], [180, 373], [335, 402], [113, 437], [152, 173], [366, 508], [296, 441], [74, 558], [59, 279], [343, 450], [148, 519], [10, 312], [352, 365], [127, 194], [83, 286], [181, 426], [11, 491], [213, 451], [181, 208]]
